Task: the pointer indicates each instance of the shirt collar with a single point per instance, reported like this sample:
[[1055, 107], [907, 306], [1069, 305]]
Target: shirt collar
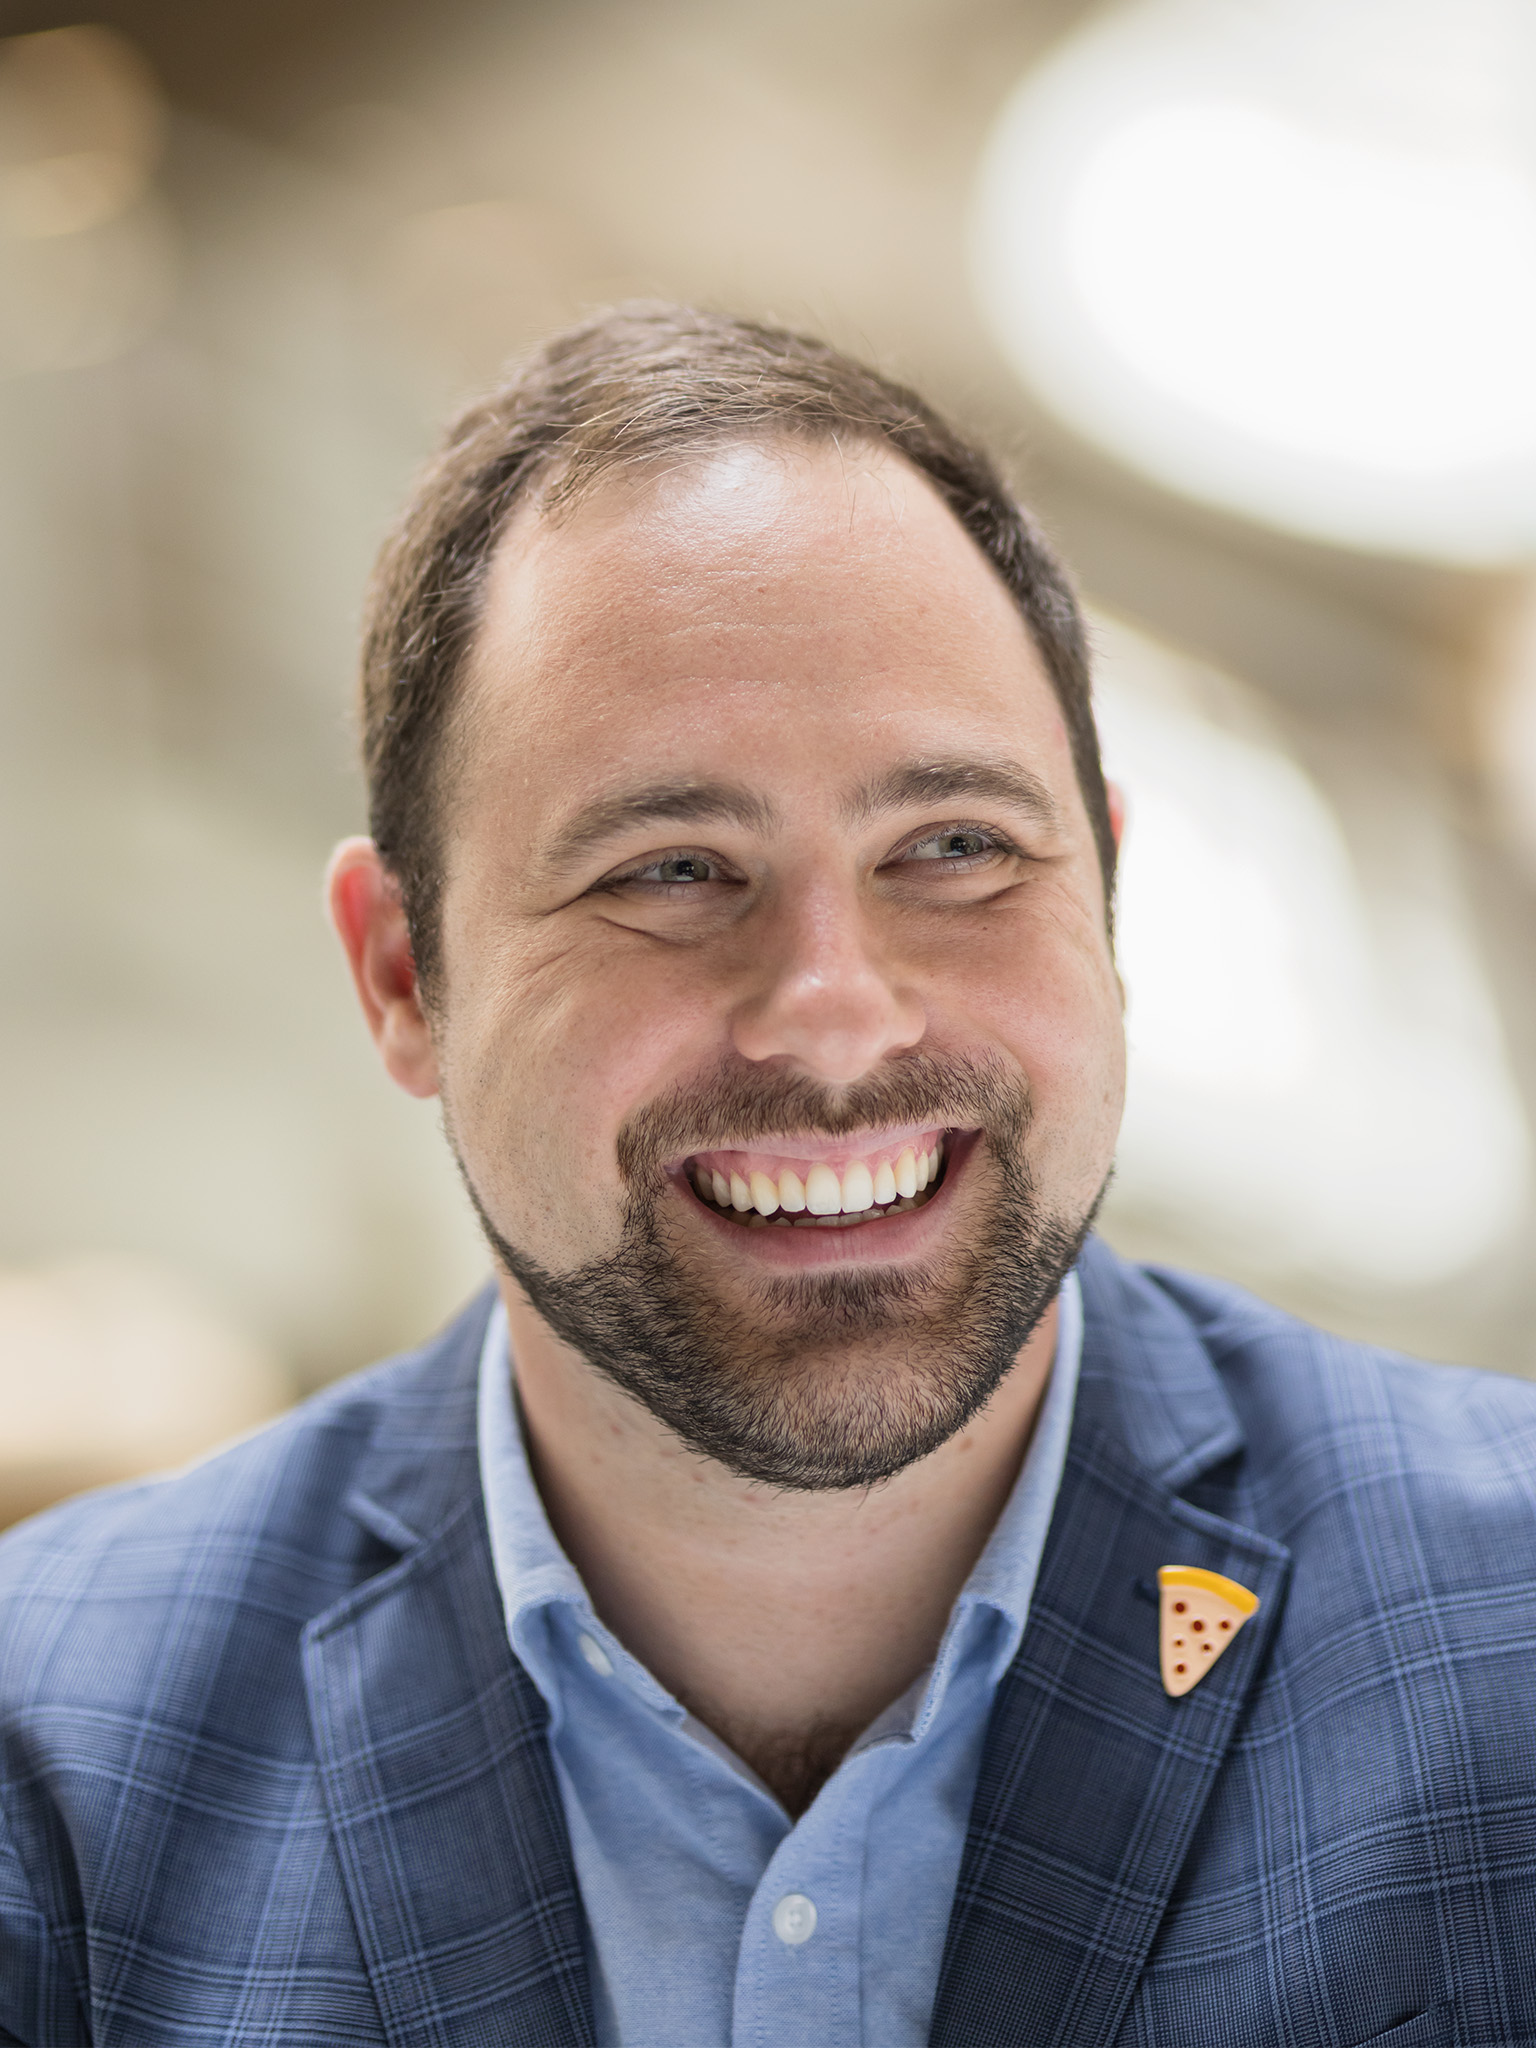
[[534, 1573]]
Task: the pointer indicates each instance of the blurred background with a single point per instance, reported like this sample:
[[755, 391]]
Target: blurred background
[[1243, 290]]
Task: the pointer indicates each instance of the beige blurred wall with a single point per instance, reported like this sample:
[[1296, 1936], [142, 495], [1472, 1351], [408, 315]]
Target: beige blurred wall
[[212, 399]]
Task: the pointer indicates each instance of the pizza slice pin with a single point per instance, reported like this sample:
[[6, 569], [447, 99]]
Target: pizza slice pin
[[1201, 1613]]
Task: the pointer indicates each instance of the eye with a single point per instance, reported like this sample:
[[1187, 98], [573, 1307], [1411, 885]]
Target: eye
[[962, 846], [677, 867], [678, 872]]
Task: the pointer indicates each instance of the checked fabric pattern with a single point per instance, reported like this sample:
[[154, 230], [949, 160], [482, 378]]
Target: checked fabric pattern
[[269, 1772]]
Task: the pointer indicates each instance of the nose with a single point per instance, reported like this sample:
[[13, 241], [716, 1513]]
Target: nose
[[822, 996]]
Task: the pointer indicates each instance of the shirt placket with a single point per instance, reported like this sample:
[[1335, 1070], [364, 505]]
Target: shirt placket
[[798, 1967]]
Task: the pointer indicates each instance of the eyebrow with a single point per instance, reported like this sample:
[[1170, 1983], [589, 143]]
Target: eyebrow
[[672, 803], [992, 779]]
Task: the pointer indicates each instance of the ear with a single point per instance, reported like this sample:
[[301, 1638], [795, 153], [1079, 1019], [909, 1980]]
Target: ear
[[1116, 796], [365, 906]]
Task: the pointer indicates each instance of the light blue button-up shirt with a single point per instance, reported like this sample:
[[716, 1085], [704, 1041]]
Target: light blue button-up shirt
[[715, 1921]]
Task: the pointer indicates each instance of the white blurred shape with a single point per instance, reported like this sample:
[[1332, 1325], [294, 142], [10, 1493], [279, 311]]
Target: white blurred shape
[[1357, 288], [1282, 255], [1315, 1101]]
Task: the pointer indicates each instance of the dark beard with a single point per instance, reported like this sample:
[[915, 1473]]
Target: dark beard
[[817, 1380]]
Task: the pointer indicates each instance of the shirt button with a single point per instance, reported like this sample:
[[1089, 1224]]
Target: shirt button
[[794, 1919], [597, 1656]]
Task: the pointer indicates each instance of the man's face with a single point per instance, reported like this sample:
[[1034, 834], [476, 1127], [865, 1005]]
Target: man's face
[[769, 895]]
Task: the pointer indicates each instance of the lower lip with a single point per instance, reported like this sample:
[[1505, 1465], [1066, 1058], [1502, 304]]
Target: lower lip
[[884, 1240]]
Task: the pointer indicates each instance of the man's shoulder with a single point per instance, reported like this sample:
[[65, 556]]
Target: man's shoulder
[[1287, 1373], [1318, 1412], [274, 1528]]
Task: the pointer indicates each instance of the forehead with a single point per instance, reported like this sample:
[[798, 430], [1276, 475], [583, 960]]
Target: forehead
[[772, 609]]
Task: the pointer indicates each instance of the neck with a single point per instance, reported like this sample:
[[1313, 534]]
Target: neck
[[784, 1621]]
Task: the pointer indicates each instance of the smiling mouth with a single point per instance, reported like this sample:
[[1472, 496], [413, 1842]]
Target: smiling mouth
[[764, 1191]]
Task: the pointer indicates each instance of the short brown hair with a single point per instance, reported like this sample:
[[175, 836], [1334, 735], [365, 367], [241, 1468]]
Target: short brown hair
[[639, 386]]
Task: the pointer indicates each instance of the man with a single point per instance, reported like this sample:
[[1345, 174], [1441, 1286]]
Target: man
[[760, 1620]]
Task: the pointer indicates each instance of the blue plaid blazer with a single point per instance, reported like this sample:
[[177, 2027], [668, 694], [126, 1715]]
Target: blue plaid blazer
[[270, 1774]]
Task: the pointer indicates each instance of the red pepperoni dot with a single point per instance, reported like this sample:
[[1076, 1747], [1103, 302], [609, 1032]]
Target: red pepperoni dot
[[1226, 1624], [1179, 1606], [1181, 1668], [1178, 1642], [1197, 1626], [1207, 1647]]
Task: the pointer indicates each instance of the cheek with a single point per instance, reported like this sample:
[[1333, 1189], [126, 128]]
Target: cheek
[[544, 1058], [1047, 993]]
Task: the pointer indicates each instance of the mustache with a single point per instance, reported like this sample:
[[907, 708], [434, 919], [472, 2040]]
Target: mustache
[[739, 1104]]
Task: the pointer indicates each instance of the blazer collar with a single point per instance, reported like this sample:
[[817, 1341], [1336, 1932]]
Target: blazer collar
[[1093, 1781], [1147, 1380], [421, 1462], [441, 1794]]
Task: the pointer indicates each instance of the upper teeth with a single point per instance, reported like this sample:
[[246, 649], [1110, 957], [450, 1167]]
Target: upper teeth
[[862, 1184]]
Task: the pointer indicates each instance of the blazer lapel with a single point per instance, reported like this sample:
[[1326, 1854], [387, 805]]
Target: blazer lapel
[[442, 1798], [1093, 1780]]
